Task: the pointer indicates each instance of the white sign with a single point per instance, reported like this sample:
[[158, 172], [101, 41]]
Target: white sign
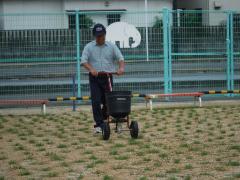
[[123, 34]]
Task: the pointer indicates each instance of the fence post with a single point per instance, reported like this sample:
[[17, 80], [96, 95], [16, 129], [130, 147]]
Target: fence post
[[146, 29], [232, 51], [166, 45], [78, 54], [74, 91], [169, 52], [230, 66]]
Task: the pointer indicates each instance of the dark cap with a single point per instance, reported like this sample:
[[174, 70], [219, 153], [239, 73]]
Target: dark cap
[[99, 29]]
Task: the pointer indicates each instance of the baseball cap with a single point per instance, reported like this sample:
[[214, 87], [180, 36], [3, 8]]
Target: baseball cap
[[99, 29]]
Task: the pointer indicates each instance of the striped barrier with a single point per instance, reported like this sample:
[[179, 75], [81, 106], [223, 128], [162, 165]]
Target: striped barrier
[[149, 97], [85, 98], [222, 92]]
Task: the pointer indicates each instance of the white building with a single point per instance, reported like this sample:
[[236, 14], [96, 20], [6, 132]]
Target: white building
[[61, 17], [95, 9], [208, 4], [213, 18]]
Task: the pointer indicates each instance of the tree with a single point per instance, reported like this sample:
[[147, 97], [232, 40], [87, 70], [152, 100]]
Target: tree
[[85, 22], [158, 23]]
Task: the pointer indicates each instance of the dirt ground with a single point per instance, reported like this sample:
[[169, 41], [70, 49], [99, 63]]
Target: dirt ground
[[182, 142]]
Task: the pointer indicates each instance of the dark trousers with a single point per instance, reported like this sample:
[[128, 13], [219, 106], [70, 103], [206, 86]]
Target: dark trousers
[[98, 87]]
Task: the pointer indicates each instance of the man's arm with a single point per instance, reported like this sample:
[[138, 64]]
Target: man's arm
[[121, 67], [84, 61], [119, 57], [90, 69]]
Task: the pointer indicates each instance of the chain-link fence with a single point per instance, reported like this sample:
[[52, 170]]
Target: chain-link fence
[[37, 56], [199, 52], [178, 51]]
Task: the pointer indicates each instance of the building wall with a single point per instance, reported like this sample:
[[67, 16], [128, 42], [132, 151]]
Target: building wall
[[1, 7], [193, 5], [128, 5], [214, 17], [60, 20], [14, 20], [226, 5], [190, 4], [1, 12], [220, 18], [32, 6], [131, 5]]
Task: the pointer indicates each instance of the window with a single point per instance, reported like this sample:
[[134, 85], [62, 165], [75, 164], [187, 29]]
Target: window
[[178, 17], [199, 17], [72, 22], [191, 19], [236, 20], [112, 18]]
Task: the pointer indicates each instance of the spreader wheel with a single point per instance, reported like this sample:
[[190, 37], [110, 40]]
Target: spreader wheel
[[134, 129], [106, 131]]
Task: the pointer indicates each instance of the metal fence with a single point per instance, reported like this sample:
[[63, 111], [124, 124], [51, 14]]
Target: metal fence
[[180, 51]]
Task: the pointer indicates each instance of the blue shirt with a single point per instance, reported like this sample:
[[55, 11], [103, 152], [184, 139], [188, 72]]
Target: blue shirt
[[102, 58]]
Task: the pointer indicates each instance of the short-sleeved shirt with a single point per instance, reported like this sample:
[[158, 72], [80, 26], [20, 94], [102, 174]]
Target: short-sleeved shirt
[[102, 58]]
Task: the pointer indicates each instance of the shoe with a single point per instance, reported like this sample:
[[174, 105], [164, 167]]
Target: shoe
[[97, 130]]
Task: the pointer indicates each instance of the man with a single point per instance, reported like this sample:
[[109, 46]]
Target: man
[[100, 56]]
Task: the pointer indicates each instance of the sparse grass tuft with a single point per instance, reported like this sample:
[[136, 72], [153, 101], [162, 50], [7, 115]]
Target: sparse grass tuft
[[23, 172], [106, 177], [233, 163], [52, 174], [54, 156], [174, 143]]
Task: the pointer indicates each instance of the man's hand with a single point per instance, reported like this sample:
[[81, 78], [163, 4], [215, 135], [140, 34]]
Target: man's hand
[[93, 72], [90, 69], [120, 71]]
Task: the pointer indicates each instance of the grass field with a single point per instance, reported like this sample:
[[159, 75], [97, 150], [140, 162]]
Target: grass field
[[174, 143]]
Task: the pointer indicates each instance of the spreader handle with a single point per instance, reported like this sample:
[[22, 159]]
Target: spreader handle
[[106, 73]]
